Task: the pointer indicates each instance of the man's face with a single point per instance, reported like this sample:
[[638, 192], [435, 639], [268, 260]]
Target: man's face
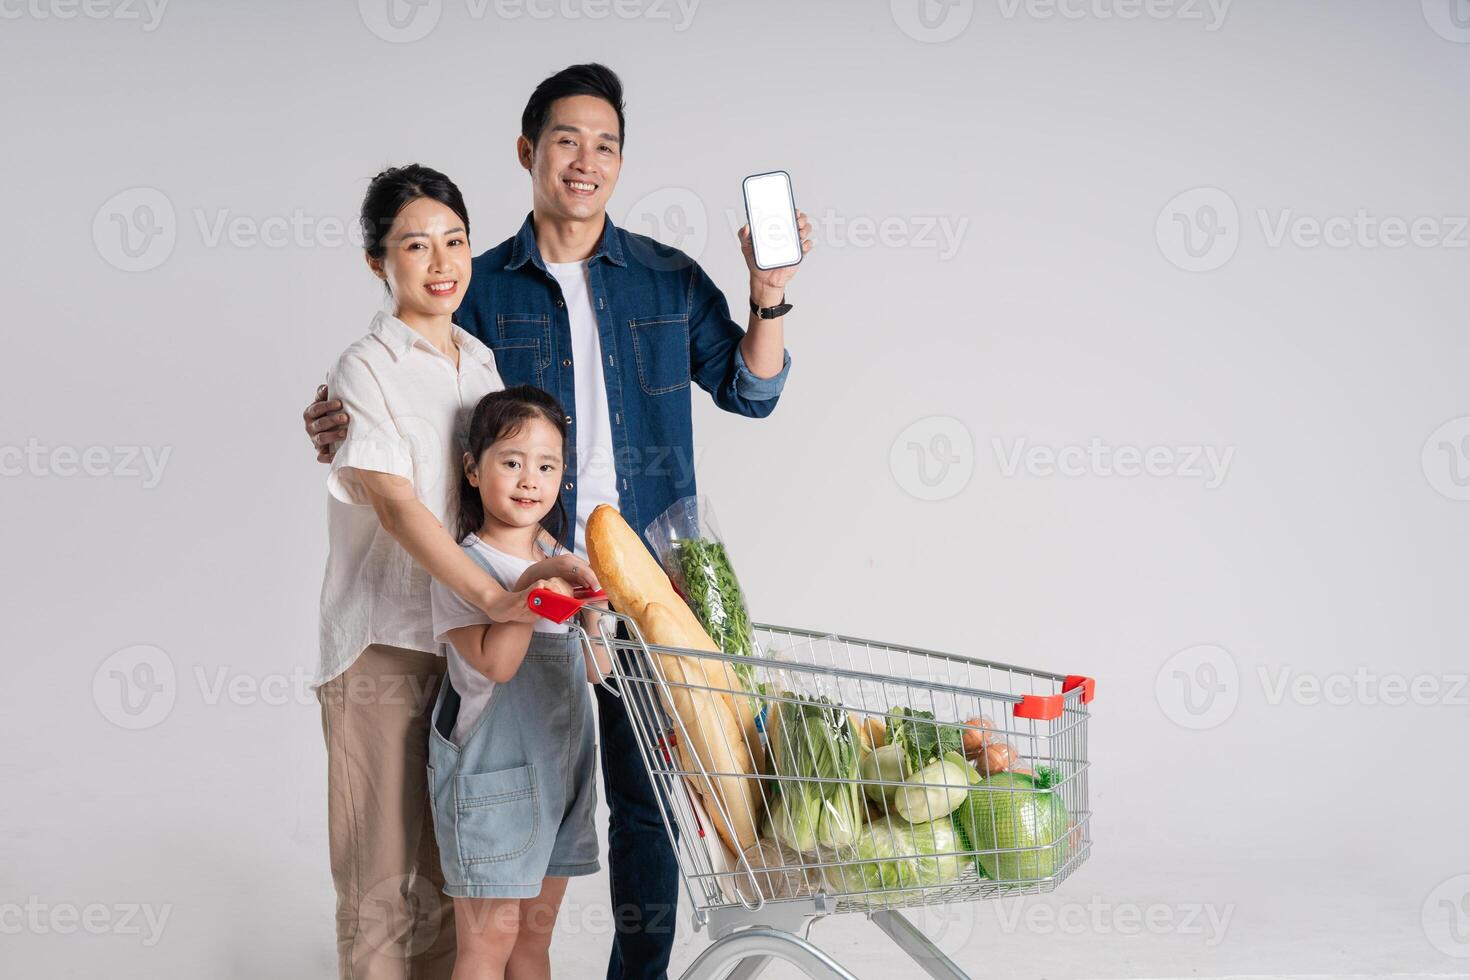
[[575, 162]]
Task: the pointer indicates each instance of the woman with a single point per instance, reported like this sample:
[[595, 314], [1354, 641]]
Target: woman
[[408, 386]]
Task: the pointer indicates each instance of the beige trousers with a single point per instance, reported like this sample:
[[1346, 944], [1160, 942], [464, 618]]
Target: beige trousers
[[393, 920]]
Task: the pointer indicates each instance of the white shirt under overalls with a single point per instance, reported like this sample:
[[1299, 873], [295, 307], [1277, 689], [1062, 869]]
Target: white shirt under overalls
[[452, 612], [409, 409]]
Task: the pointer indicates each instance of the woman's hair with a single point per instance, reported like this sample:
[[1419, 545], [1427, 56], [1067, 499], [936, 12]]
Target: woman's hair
[[395, 188], [499, 415]]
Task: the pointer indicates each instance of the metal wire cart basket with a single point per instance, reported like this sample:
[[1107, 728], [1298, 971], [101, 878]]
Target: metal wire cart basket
[[880, 777]]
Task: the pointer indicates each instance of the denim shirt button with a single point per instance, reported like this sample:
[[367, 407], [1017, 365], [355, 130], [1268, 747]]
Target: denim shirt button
[[566, 362], [569, 484]]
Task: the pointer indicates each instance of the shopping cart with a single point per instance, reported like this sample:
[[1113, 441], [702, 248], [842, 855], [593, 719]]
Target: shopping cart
[[1022, 829]]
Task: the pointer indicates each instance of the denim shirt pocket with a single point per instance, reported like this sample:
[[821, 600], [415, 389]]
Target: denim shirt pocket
[[522, 346], [661, 351]]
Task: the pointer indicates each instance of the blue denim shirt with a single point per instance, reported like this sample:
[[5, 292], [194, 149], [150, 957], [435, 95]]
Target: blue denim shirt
[[661, 323]]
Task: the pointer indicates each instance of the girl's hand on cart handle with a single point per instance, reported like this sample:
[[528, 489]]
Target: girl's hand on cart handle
[[524, 613]]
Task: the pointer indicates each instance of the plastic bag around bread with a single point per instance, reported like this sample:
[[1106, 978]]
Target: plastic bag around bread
[[633, 578]]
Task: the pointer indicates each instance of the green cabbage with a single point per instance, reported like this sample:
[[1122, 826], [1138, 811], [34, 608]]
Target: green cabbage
[[1010, 810], [899, 858]]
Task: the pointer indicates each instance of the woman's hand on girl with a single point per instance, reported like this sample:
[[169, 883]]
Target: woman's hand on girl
[[568, 567]]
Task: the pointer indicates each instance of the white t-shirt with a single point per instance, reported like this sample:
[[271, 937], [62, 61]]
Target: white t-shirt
[[451, 612], [597, 478], [409, 409]]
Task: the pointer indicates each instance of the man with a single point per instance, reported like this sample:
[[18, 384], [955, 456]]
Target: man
[[615, 325]]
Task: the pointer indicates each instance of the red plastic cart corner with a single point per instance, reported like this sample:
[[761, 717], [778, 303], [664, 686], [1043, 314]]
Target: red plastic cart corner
[[1048, 707]]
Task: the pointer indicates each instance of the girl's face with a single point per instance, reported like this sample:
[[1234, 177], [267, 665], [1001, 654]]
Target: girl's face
[[426, 261], [519, 476]]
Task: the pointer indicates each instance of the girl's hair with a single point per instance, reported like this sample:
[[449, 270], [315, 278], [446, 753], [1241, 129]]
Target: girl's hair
[[394, 189], [499, 415]]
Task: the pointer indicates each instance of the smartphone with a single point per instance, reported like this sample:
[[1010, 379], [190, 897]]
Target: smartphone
[[770, 209]]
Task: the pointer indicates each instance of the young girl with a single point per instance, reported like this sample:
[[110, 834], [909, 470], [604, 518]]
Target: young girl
[[511, 753], [410, 386]]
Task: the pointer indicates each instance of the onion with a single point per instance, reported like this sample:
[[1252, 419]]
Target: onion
[[997, 757], [975, 737]]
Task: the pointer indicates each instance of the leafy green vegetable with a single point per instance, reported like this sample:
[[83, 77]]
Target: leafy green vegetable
[[793, 820], [713, 592], [1009, 810], [815, 738], [899, 856], [923, 739]]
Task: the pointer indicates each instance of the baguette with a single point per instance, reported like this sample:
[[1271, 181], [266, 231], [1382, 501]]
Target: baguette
[[720, 722], [710, 739]]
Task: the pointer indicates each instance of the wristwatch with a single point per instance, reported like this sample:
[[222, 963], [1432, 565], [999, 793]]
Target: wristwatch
[[771, 312]]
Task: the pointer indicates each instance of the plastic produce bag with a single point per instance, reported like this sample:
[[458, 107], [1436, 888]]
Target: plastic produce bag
[[689, 547]]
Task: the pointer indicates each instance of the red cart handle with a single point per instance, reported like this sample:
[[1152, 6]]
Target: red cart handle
[[558, 608], [1046, 707]]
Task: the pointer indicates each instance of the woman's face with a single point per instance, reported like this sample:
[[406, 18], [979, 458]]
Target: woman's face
[[519, 476], [576, 160], [426, 260]]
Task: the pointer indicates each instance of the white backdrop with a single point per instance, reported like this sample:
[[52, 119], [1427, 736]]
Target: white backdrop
[[1221, 247]]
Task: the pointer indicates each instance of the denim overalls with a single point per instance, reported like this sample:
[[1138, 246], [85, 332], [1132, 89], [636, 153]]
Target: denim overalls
[[517, 802]]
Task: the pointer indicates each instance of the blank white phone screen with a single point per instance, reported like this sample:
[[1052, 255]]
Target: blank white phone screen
[[772, 220]]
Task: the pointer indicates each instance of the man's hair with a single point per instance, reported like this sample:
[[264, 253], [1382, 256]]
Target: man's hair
[[594, 79]]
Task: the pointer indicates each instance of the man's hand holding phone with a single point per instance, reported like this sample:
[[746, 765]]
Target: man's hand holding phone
[[775, 237]]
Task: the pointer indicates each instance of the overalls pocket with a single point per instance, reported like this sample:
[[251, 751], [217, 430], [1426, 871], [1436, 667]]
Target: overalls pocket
[[495, 814]]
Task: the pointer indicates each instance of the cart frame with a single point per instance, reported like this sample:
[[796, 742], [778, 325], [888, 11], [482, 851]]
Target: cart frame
[[750, 929]]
